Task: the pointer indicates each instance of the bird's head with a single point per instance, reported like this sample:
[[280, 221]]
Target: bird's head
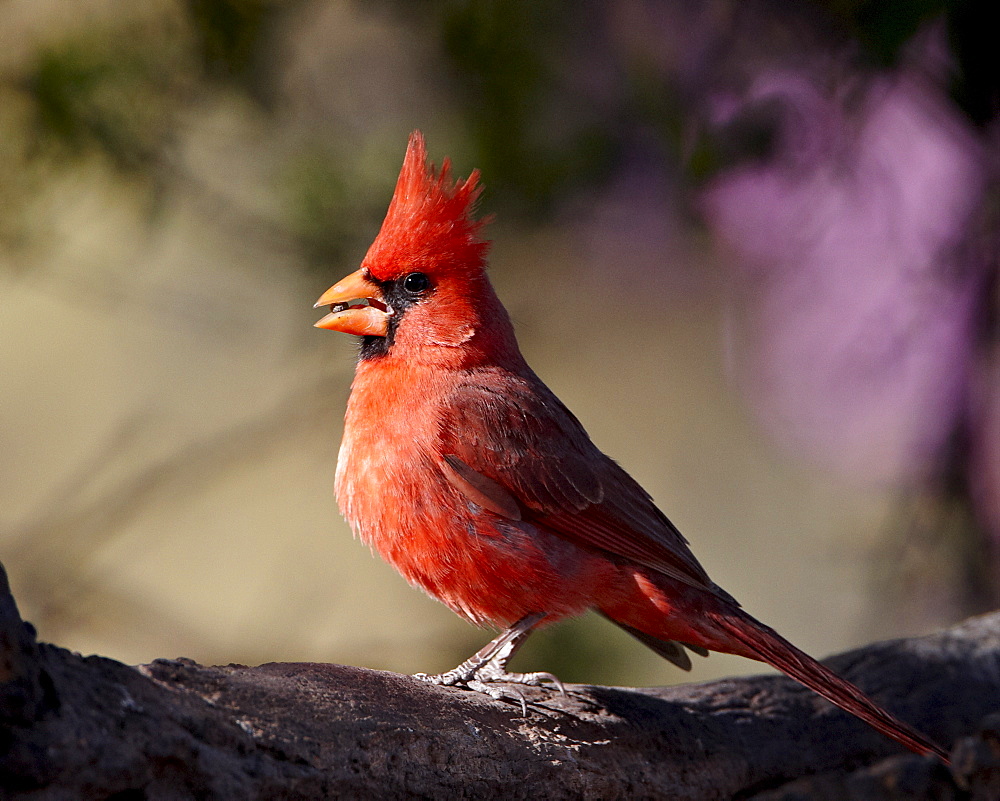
[[422, 287]]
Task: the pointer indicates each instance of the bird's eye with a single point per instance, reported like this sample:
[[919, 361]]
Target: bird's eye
[[416, 283]]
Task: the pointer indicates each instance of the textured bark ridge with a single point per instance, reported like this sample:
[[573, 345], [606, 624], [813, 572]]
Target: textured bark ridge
[[75, 727]]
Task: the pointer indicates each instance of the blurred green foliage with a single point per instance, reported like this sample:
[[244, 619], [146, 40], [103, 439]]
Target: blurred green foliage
[[111, 97], [319, 198], [883, 27], [120, 91], [333, 207], [229, 37], [534, 132], [535, 124], [590, 650]]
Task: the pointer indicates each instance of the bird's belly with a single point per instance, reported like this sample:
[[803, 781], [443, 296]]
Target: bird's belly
[[484, 567], [499, 572]]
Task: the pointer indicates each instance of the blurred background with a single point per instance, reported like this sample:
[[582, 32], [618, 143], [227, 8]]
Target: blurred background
[[753, 246]]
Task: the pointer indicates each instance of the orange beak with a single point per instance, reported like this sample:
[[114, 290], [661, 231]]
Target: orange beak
[[356, 307]]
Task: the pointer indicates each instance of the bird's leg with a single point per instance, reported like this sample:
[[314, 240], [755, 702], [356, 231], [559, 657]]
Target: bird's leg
[[488, 666]]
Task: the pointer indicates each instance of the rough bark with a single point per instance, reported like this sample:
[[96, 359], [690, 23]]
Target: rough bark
[[74, 727]]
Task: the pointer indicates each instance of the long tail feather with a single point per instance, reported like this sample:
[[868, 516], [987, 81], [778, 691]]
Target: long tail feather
[[776, 651]]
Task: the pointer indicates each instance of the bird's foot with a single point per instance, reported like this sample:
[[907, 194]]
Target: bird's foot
[[492, 680], [493, 673], [486, 671], [490, 673]]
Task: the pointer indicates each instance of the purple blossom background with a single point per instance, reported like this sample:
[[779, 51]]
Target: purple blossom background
[[856, 308]]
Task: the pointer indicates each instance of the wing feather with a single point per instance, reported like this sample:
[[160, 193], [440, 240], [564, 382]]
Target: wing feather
[[519, 437]]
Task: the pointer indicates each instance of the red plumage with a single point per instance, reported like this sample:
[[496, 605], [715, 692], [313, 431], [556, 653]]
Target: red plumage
[[464, 471]]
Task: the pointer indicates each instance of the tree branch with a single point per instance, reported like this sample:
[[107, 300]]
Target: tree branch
[[92, 728]]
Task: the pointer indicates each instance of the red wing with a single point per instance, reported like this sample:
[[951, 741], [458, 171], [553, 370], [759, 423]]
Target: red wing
[[514, 432]]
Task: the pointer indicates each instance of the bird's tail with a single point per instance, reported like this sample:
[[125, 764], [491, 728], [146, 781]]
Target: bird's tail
[[775, 650]]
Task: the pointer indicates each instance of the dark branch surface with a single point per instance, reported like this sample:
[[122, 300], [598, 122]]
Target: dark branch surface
[[75, 727]]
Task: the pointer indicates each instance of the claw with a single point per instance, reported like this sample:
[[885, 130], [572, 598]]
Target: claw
[[494, 673], [487, 669], [500, 693]]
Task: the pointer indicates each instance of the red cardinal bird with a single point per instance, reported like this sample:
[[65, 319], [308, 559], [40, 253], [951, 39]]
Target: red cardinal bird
[[464, 471]]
